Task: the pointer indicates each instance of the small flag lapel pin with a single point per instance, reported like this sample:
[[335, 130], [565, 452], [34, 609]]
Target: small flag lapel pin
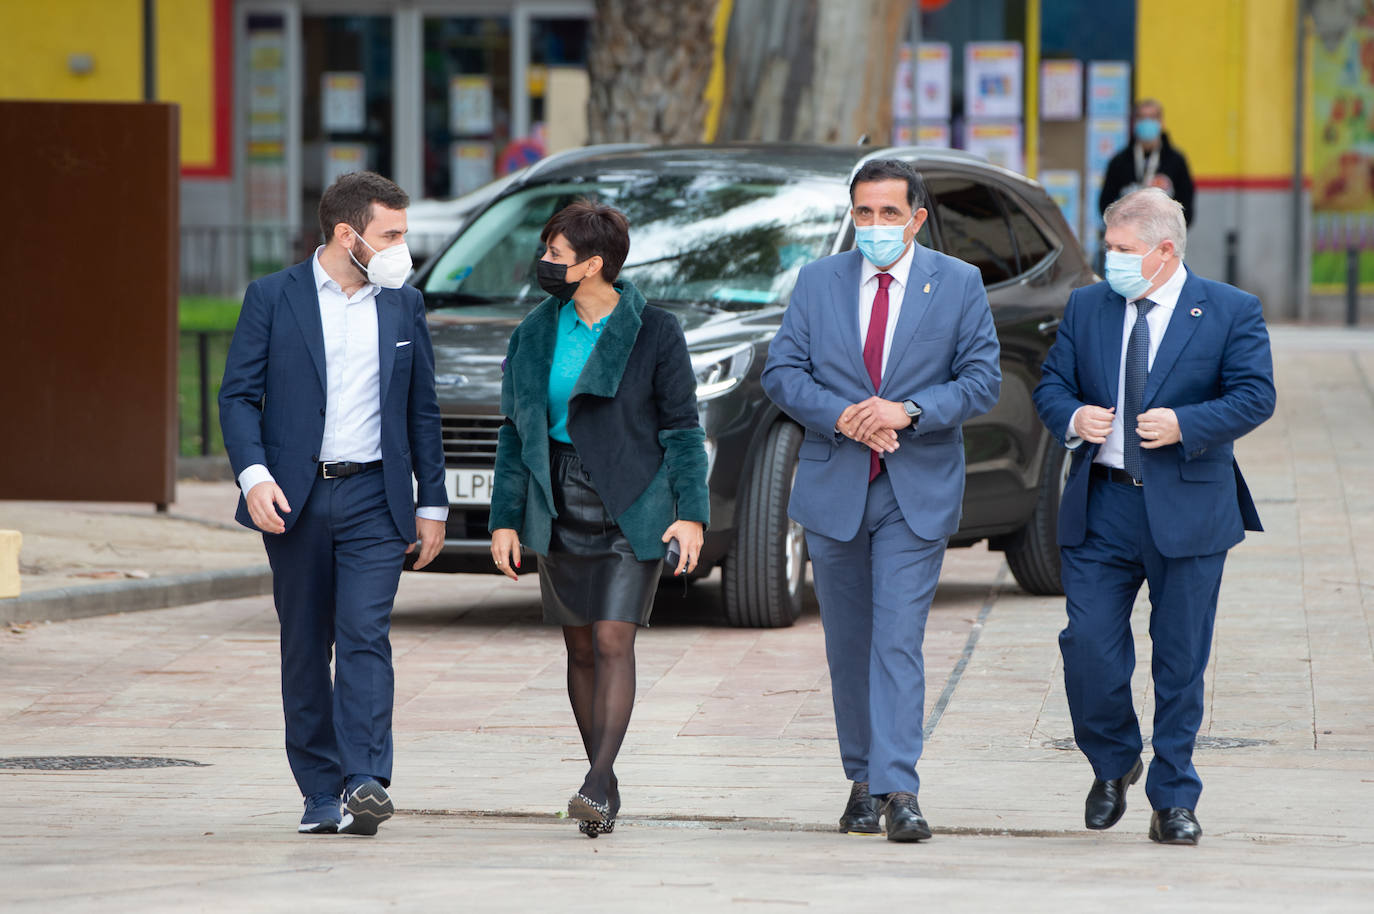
[[926, 289], [1196, 312]]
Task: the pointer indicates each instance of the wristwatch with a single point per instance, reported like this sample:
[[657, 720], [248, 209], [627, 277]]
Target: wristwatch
[[913, 411]]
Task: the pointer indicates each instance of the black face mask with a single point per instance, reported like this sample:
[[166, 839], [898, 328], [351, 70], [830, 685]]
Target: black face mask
[[553, 279]]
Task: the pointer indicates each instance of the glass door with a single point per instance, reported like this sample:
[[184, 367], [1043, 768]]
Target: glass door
[[467, 96], [347, 108]]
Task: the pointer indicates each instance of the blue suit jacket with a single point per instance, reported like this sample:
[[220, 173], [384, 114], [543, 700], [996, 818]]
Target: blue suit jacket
[[944, 356], [1213, 369], [271, 404]]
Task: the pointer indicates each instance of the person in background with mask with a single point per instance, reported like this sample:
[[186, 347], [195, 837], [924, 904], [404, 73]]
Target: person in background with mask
[[329, 411], [600, 466], [1153, 376], [884, 352], [1150, 161]]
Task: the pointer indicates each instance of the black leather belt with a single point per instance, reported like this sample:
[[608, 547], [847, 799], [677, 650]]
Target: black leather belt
[[1112, 474], [341, 468]]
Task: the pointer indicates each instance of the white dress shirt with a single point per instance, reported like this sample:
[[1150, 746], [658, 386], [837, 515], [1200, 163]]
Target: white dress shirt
[[868, 290], [352, 405], [1165, 299]]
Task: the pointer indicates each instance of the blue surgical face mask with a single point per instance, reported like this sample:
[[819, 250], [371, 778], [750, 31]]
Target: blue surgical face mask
[[881, 245], [1124, 274], [1148, 129]]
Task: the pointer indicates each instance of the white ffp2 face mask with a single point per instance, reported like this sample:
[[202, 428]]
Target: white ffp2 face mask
[[388, 267]]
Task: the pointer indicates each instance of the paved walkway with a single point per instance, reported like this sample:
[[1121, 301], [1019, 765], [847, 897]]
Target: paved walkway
[[730, 774]]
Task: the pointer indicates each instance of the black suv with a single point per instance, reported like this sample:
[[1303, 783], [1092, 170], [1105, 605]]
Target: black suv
[[717, 236]]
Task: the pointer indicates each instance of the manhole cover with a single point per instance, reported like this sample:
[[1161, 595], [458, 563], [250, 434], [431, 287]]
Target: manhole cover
[[1203, 742], [94, 762]]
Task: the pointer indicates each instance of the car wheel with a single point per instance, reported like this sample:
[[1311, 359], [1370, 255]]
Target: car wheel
[[1033, 551], [765, 570]]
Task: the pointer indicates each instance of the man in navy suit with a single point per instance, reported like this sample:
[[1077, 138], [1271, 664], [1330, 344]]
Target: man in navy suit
[[883, 353], [1154, 374], [329, 410]]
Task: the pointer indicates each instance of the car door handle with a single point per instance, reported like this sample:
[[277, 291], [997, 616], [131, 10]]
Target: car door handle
[[1048, 327]]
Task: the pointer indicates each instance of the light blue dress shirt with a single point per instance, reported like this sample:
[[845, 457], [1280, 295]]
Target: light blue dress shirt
[[573, 346]]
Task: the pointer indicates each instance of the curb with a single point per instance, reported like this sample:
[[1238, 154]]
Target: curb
[[132, 596]]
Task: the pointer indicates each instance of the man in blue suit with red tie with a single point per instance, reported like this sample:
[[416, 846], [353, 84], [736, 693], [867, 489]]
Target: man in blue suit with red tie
[[1153, 376], [883, 353], [329, 412]]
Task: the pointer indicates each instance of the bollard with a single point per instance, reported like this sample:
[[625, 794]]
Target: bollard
[[203, 354], [1352, 287], [1232, 246], [10, 541]]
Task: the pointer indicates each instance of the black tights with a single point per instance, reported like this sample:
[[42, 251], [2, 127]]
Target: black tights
[[601, 688]]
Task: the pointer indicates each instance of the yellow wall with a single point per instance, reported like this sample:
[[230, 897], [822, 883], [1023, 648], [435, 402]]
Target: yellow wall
[[1223, 70], [39, 39]]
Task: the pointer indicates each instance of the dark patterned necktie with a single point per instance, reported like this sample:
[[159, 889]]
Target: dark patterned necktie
[[873, 353], [1137, 370]]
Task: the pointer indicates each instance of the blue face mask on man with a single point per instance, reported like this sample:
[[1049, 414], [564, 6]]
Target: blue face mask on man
[[1124, 274], [1148, 129], [881, 245]]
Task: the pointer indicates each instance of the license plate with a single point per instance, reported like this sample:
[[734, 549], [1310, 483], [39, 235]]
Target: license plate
[[469, 487]]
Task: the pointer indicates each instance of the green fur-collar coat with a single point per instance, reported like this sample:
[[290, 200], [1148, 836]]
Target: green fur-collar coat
[[632, 418]]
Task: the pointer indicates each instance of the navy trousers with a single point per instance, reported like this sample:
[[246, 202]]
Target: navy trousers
[[1101, 579], [334, 578], [875, 593]]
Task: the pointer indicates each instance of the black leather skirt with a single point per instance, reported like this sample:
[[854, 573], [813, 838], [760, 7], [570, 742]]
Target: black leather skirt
[[590, 573]]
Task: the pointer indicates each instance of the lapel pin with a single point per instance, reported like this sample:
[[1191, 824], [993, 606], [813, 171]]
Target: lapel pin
[[927, 288], [1196, 312]]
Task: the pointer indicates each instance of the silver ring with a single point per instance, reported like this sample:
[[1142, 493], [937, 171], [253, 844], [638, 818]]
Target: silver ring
[[498, 563]]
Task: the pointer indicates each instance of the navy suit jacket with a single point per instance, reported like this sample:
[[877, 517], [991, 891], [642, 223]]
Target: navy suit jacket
[[1213, 369], [944, 356], [271, 404]]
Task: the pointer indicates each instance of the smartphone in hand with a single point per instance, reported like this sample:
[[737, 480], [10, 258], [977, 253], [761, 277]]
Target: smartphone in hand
[[674, 554]]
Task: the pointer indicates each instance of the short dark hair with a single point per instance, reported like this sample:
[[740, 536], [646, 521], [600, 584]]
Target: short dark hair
[[892, 170], [350, 199], [592, 229]]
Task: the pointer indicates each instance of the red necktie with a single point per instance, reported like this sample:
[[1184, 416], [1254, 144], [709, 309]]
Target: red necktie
[[873, 353]]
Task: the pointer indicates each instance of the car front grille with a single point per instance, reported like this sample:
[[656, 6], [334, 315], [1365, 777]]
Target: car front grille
[[470, 441]]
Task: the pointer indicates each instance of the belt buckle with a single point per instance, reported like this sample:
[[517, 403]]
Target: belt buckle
[[325, 474]]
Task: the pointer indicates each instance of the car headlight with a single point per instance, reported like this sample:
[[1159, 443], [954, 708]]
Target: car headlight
[[719, 371]]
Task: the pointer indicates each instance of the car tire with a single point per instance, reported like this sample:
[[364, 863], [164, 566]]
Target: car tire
[[1033, 551], [764, 573]]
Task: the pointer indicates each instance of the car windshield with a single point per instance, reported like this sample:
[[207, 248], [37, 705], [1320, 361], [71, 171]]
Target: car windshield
[[719, 240]]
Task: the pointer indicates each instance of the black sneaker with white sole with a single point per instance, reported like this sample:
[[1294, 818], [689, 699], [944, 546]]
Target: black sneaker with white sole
[[322, 815], [366, 806]]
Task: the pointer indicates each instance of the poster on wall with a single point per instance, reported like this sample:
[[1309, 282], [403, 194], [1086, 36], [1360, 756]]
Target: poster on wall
[[1065, 189], [470, 165], [903, 86], [470, 106], [1061, 90], [933, 135], [341, 158], [1109, 88], [1105, 136], [933, 76], [1000, 144], [342, 108], [1343, 145], [992, 80]]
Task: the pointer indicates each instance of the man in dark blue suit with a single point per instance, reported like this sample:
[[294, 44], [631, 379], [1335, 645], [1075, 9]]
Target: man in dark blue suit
[[329, 410], [1154, 374], [884, 352]]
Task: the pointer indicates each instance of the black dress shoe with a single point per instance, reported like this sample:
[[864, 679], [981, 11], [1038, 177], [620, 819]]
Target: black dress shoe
[[1107, 799], [904, 819], [861, 813], [1175, 825]]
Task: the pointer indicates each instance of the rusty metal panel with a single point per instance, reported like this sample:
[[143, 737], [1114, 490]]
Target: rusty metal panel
[[89, 277]]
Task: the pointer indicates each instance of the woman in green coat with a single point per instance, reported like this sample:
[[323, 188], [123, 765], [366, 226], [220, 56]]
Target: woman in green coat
[[600, 464]]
